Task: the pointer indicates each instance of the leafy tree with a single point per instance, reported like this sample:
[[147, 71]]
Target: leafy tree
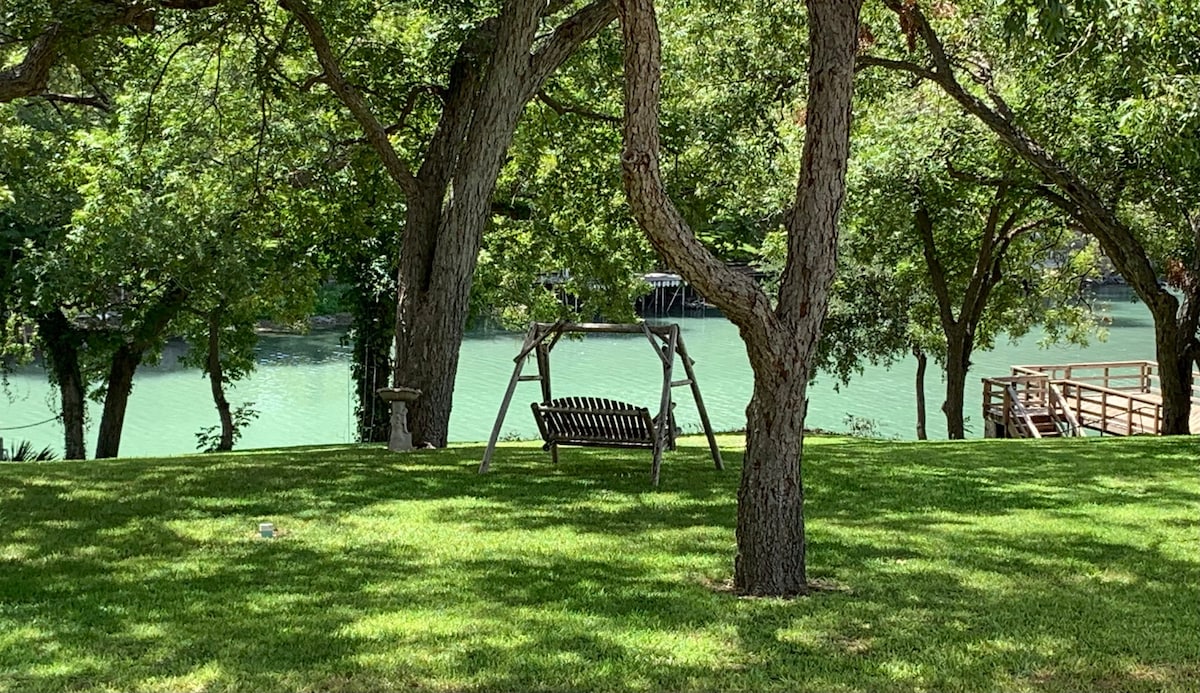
[[358, 242], [215, 161], [177, 220], [33, 142], [72, 43], [955, 227], [1100, 100], [557, 212], [781, 336], [453, 111]]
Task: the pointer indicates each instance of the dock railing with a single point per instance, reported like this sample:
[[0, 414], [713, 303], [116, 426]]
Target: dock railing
[[1119, 412], [1117, 397], [1073, 427], [1009, 400], [1124, 376]]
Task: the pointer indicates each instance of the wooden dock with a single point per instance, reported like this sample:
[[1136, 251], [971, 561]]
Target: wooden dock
[[1116, 398]]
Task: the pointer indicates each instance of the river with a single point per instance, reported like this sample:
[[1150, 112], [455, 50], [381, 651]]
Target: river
[[304, 395]]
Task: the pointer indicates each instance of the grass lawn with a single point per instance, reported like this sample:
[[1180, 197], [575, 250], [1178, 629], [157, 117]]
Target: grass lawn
[[979, 566]]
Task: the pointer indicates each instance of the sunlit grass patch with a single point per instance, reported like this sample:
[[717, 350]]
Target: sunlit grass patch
[[981, 566]]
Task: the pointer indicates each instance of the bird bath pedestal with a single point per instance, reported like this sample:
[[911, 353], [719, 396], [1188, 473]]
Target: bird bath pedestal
[[399, 397]]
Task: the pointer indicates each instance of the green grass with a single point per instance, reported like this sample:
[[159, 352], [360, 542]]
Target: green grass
[[983, 566]]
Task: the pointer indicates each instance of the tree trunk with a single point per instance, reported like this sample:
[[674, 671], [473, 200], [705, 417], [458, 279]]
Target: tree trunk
[[959, 345], [1172, 349], [922, 365], [444, 233], [779, 341], [216, 382], [125, 361], [496, 72], [770, 529], [427, 359], [61, 342]]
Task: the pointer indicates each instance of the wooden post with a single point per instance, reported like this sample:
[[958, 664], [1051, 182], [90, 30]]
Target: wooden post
[[987, 397], [543, 364], [532, 338], [1007, 400], [704, 422], [664, 411], [508, 395]]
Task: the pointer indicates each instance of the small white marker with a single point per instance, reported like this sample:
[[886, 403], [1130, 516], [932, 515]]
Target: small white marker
[[266, 530]]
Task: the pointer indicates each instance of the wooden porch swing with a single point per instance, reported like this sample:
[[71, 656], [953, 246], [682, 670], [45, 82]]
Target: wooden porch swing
[[599, 422]]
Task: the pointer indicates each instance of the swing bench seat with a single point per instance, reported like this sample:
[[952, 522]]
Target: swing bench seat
[[597, 422]]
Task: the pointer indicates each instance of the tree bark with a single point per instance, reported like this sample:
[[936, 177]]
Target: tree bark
[[30, 76], [959, 344], [1173, 347], [922, 365], [216, 381], [61, 341], [124, 363], [770, 558], [496, 73], [779, 341]]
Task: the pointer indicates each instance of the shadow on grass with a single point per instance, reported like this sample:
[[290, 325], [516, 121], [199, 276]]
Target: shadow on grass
[[414, 572]]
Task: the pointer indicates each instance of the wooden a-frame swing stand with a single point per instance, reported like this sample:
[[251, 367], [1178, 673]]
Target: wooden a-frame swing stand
[[597, 422]]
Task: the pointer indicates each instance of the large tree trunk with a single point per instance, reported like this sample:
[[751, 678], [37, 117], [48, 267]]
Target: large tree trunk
[[125, 361], [922, 366], [216, 382], [497, 71], [435, 281], [61, 341], [779, 341], [770, 528]]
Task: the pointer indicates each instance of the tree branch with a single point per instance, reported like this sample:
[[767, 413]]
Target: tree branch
[[821, 186], [1077, 198], [562, 109], [573, 32], [864, 61], [376, 134], [97, 101], [937, 273], [746, 305], [30, 76]]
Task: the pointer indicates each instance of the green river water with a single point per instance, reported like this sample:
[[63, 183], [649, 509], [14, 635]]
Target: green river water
[[303, 392]]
